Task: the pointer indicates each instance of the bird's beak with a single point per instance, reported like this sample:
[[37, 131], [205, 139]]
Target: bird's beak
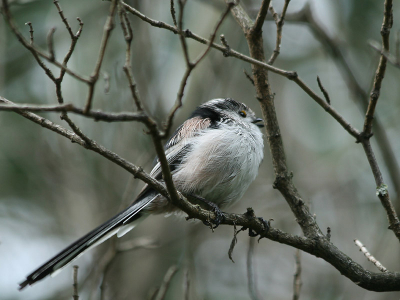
[[258, 120]]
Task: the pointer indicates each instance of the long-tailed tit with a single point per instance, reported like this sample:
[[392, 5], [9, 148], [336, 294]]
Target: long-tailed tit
[[215, 155]]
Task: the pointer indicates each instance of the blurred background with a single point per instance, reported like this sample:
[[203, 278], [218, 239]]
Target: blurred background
[[52, 191]]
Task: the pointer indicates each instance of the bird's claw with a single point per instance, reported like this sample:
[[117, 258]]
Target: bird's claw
[[263, 233], [219, 216]]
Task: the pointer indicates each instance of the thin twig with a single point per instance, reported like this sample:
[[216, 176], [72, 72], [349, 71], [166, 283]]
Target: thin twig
[[173, 13], [380, 72], [128, 34], [225, 43], [262, 13], [93, 114], [75, 295], [334, 49], [50, 43], [38, 60], [248, 76], [279, 26], [108, 27], [326, 95], [274, 14], [288, 74], [297, 276], [368, 255], [30, 32], [166, 282], [394, 222], [64, 19], [181, 36], [191, 65], [35, 51]]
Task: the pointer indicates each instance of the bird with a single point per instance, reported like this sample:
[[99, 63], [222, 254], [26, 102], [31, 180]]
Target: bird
[[214, 155]]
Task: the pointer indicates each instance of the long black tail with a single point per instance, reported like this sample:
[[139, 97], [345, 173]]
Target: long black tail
[[98, 235]]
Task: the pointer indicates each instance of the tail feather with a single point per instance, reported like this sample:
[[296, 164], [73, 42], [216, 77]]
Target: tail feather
[[93, 238]]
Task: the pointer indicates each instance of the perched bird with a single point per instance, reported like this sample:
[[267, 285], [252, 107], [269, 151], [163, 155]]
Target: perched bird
[[214, 155]]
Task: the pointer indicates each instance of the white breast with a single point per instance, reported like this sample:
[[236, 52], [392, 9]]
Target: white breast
[[222, 163]]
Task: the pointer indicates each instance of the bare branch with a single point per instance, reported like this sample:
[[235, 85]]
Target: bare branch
[[189, 34], [35, 51], [288, 74], [329, 109], [128, 33], [181, 35], [38, 60], [380, 72], [326, 95], [279, 26], [166, 282], [108, 27], [75, 295], [262, 13], [248, 76], [191, 65], [368, 255], [50, 43], [306, 15], [394, 222], [30, 32], [64, 19], [225, 43], [297, 276], [320, 247], [134, 170], [274, 14], [94, 114], [382, 192], [173, 13]]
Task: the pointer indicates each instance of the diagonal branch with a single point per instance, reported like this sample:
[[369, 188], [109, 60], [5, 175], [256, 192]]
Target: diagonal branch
[[382, 192], [380, 72], [108, 27], [262, 14], [128, 34], [279, 26]]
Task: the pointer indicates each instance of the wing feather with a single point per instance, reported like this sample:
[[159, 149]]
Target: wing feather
[[179, 144]]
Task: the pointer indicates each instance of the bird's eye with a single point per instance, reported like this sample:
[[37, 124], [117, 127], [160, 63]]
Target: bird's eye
[[242, 113]]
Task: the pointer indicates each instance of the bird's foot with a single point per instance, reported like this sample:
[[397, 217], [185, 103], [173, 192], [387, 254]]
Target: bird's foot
[[219, 215], [266, 225]]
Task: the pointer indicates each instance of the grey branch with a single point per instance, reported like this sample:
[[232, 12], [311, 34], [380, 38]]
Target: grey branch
[[369, 256]]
